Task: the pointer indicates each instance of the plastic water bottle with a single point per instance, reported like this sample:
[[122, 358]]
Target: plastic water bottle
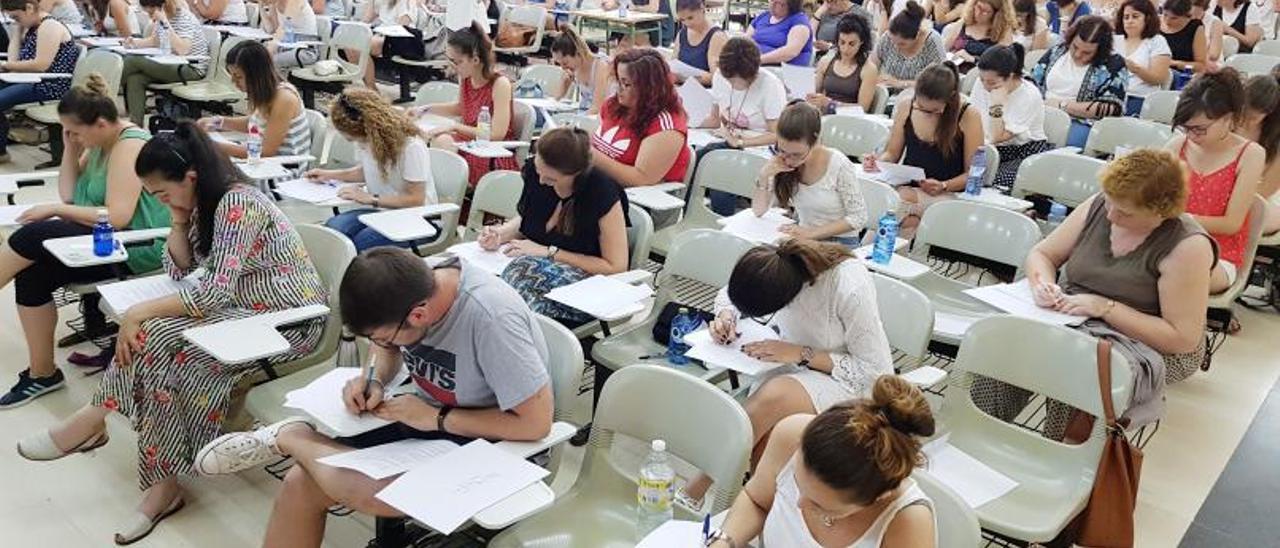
[[289, 36], [683, 324], [656, 491], [162, 35], [104, 235], [1057, 214], [886, 236], [254, 144], [348, 351], [973, 185], [624, 7], [483, 123]]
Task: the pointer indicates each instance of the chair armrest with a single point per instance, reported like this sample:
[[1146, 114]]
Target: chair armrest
[[925, 376], [135, 236], [9, 182], [1065, 150], [560, 432], [287, 159], [532, 499], [252, 338]]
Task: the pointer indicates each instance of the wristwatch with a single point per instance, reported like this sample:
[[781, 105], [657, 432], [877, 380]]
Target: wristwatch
[[377, 202], [551, 251], [806, 355], [996, 111], [444, 412]]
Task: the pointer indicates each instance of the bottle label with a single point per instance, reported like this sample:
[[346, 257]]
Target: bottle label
[[655, 494]]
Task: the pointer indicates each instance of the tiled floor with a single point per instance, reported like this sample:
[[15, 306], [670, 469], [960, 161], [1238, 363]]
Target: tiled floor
[[80, 500]]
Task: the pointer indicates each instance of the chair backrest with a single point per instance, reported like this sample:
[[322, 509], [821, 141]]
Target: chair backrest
[[907, 316], [108, 64], [649, 402], [853, 136], [1068, 179], [1257, 217], [497, 193], [1032, 59], [984, 231], [214, 39], [1122, 131], [330, 252], [251, 10], [355, 36], [449, 176], [549, 77], [992, 159], [219, 72], [881, 100], [1230, 46], [727, 170], [879, 198], [587, 123], [967, 81], [341, 151], [1057, 125], [1252, 64], [564, 365], [639, 236], [1159, 105], [1268, 47], [957, 525], [319, 127], [704, 255], [525, 120], [436, 92]]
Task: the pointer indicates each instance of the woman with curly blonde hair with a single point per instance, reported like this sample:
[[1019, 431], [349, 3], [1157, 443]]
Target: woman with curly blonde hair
[[392, 164], [985, 23]]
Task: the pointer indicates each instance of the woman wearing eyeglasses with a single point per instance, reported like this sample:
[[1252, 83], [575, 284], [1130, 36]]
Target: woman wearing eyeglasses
[[1224, 168], [254, 262], [820, 184], [831, 344], [643, 128], [1083, 76], [392, 164], [936, 132]]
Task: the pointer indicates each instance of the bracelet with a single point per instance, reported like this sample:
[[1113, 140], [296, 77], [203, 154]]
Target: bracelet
[[381, 386], [444, 412], [1111, 303]]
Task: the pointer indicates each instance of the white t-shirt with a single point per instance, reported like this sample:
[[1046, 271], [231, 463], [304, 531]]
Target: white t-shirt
[[234, 13], [1267, 16], [876, 9], [753, 107], [1023, 113], [390, 14], [414, 165], [1254, 17], [1147, 50], [1064, 79]]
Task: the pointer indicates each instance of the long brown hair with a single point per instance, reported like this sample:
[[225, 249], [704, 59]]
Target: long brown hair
[[1263, 93], [800, 121], [766, 278], [364, 114], [474, 41], [651, 76], [567, 150], [1003, 21], [941, 82]]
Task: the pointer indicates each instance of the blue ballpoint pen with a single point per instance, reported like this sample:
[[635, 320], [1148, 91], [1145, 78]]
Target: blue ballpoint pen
[[706, 528]]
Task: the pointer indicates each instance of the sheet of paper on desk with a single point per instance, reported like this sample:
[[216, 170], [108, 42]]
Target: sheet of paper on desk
[[744, 224], [685, 69], [600, 296], [392, 31], [322, 399], [953, 325], [263, 170], [1016, 299], [700, 137], [176, 60], [697, 101], [489, 261], [224, 137], [974, 481], [310, 191], [19, 78], [894, 174], [137, 51], [9, 214], [653, 198], [120, 296], [730, 356], [384, 461], [453, 487], [851, 110], [798, 80], [674, 534]]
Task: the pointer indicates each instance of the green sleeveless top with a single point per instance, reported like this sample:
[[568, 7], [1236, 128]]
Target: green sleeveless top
[[91, 191]]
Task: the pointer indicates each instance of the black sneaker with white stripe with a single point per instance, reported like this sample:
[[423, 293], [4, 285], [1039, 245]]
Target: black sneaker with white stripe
[[30, 388]]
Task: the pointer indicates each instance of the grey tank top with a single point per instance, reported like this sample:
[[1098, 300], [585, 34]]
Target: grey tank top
[[1131, 279], [842, 88]]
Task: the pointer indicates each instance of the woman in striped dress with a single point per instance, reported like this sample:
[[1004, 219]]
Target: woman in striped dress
[[176, 395], [274, 106]]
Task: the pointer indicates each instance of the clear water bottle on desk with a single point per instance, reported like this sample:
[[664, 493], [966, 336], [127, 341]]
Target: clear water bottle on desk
[[104, 235], [162, 39], [977, 170], [683, 324], [886, 236], [253, 145], [484, 122], [289, 35], [624, 8], [1057, 214], [655, 493]]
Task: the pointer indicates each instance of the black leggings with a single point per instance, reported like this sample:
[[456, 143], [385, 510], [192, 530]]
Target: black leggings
[[34, 286]]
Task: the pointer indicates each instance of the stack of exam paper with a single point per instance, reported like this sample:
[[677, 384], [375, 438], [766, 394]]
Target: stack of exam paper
[[764, 229]]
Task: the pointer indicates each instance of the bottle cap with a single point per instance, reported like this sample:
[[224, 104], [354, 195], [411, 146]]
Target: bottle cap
[[658, 445], [102, 212]]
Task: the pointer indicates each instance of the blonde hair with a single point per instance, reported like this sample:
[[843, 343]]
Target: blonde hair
[[1151, 179], [1003, 22], [365, 114]]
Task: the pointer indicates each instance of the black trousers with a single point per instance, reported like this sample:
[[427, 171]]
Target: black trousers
[[34, 286]]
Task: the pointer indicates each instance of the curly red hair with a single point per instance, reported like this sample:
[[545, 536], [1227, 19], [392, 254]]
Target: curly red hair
[[654, 85]]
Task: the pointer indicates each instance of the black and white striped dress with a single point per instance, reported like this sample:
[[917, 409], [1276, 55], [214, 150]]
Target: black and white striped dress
[[175, 393]]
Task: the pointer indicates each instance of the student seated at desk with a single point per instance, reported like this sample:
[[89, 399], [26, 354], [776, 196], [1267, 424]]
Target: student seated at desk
[[572, 224], [280, 16], [96, 174], [1223, 168], [224, 12], [496, 387], [841, 478], [1032, 32], [385, 12], [985, 23], [1243, 22], [698, 42], [934, 130], [1064, 13], [63, 11], [275, 107], [643, 129], [904, 52], [584, 71], [1083, 76], [783, 34], [1146, 53], [175, 394], [42, 45], [171, 23], [819, 183], [1188, 38], [393, 163], [827, 18], [831, 343], [480, 86], [847, 77], [1262, 125], [1012, 111], [112, 17]]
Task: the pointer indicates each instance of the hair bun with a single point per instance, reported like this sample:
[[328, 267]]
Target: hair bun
[[96, 83], [902, 405]]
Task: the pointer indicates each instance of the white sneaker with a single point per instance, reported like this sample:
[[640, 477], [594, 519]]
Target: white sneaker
[[238, 451]]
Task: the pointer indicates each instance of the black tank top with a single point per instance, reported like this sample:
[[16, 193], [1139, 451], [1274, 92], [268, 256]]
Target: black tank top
[[1182, 43], [928, 156]]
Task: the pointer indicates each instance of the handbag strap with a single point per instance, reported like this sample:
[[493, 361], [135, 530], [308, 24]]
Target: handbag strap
[[1104, 381]]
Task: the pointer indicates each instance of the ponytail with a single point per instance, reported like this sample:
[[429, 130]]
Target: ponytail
[[941, 82], [89, 102], [474, 41], [767, 278], [865, 448], [906, 24], [569, 44], [170, 156]]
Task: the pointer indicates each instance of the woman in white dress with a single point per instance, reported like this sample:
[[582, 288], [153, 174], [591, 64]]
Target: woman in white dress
[[840, 478]]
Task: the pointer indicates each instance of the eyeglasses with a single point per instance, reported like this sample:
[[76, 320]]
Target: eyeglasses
[[796, 156], [1198, 131], [389, 343]]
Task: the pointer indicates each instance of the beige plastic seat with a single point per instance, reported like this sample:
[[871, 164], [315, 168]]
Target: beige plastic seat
[[879, 198], [967, 82], [109, 65], [497, 193], [853, 136], [1031, 59], [1257, 215], [319, 127], [1068, 179], [1252, 64], [330, 252], [216, 53], [1159, 105], [449, 174], [1057, 125], [1230, 46], [639, 236], [907, 316], [880, 101], [978, 230], [338, 152], [1123, 131], [957, 526], [549, 77], [644, 403], [525, 120], [1268, 47], [217, 86], [992, 158], [1054, 479], [436, 92], [586, 123], [529, 15], [700, 261], [732, 171], [349, 35]]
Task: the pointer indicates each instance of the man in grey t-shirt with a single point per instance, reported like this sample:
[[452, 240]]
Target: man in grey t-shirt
[[476, 357]]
